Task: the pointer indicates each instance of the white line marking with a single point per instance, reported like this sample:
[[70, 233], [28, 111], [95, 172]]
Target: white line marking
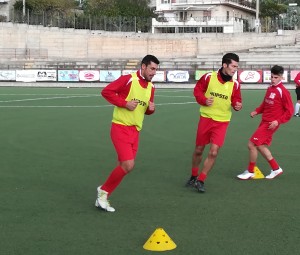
[[80, 106], [40, 98]]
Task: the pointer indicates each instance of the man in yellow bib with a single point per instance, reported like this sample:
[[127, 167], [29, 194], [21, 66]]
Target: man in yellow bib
[[133, 97], [216, 93]]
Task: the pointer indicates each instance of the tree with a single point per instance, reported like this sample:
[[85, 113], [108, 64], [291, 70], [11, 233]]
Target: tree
[[271, 8], [114, 8], [100, 7], [39, 6]]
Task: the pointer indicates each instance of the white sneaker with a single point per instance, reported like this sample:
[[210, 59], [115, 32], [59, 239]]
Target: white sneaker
[[274, 173], [246, 175], [102, 201]]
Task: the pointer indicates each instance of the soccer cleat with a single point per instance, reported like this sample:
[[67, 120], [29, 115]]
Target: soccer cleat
[[199, 185], [102, 202], [274, 173], [246, 175], [191, 181], [296, 115]]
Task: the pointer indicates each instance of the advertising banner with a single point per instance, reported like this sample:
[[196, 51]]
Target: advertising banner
[[267, 76], [109, 75], [7, 75], [250, 76], [26, 75], [200, 73], [68, 75], [160, 76], [89, 75], [46, 75], [178, 76]]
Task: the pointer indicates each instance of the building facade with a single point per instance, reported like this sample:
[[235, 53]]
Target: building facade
[[204, 16]]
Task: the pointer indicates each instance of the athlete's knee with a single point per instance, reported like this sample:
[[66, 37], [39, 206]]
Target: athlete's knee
[[198, 150], [213, 153], [127, 165], [251, 146]]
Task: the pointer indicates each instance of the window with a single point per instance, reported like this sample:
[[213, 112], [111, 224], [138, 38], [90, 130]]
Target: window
[[212, 29], [182, 16], [206, 15]]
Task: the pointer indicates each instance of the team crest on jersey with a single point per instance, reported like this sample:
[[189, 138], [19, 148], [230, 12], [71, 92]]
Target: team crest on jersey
[[272, 95]]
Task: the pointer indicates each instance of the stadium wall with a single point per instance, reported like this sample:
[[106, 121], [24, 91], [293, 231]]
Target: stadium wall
[[71, 44]]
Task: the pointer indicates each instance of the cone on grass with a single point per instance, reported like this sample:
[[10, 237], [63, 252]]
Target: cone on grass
[[258, 174], [159, 241]]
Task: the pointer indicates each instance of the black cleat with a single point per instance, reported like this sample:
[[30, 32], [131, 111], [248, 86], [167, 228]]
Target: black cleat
[[199, 185], [191, 182], [296, 115]]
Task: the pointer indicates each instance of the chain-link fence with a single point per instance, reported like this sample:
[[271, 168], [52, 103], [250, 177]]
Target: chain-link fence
[[81, 21], [141, 24]]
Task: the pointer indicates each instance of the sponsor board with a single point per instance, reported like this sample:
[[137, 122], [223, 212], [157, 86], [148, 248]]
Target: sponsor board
[[178, 76], [7, 75], [250, 76], [109, 75], [267, 76], [68, 75], [89, 75], [26, 75], [160, 76], [46, 75], [200, 73]]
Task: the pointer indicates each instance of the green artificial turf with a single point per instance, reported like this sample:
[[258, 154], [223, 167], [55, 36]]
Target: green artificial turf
[[56, 149]]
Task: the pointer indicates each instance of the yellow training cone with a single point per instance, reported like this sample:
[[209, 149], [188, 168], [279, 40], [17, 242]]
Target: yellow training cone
[[159, 241], [258, 174]]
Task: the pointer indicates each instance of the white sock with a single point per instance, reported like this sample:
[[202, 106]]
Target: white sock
[[297, 106]]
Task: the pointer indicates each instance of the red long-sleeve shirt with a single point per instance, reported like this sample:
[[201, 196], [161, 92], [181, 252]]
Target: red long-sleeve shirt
[[297, 80], [277, 105], [117, 91], [202, 84]]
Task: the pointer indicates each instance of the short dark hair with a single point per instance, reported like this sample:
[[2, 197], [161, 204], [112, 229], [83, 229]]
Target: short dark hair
[[148, 59], [279, 70], [230, 56]]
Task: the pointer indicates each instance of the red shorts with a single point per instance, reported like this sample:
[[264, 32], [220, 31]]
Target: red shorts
[[125, 140], [211, 131], [263, 135]]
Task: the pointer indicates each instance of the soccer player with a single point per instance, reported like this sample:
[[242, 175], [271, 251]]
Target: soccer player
[[297, 105], [133, 97], [216, 93], [276, 109]]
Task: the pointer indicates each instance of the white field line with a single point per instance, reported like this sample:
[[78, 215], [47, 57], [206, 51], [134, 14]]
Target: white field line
[[43, 98], [60, 96], [80, 106]]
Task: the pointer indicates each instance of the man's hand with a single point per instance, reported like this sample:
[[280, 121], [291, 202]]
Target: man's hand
[[151, 106], [238, 106], [252, 114], [273, 124], [131, 105], [209, 101]]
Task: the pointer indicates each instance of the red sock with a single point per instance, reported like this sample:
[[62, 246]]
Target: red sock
[[251, 167], [202, 177], [114, 179], [273, 164], [195, 171]]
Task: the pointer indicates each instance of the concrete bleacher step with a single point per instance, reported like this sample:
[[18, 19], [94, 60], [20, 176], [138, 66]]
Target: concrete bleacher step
[[132, 64]]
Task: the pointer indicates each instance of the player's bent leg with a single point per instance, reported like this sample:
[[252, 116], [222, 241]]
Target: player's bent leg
[[127, 165]]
